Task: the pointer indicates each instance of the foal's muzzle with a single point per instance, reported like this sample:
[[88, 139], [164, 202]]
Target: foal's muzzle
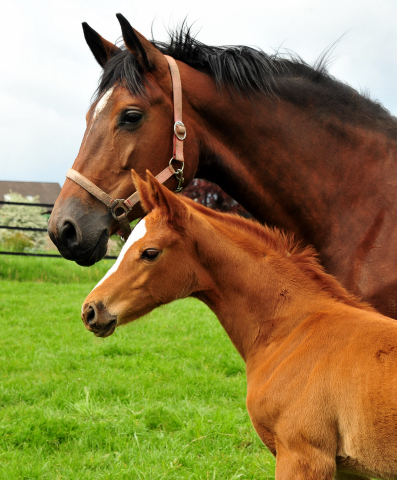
[[98, 320]]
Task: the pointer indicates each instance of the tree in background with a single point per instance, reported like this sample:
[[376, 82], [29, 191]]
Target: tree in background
[[22, 216], [212, 196]]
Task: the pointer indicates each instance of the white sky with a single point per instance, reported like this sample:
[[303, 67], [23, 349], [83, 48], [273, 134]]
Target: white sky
[[48, 73]]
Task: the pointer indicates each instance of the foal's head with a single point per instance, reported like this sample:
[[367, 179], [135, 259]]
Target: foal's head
[[158, 263], [181, 249]]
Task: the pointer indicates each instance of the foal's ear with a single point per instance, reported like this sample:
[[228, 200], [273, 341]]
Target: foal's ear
[[154, 195], [168, 202], [148, 56], [101, 48], [144, 194]]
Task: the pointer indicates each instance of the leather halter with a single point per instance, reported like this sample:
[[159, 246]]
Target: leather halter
[[117, 204]]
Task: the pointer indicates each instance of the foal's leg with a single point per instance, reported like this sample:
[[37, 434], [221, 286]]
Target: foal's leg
[[303, 464]]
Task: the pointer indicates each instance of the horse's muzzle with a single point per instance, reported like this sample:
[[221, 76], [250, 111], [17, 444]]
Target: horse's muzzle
[[80, 233], [98, 320]]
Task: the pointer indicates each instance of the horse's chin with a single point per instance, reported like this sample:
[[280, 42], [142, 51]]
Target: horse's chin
[[87, 257], [91, 260], [96, 255]]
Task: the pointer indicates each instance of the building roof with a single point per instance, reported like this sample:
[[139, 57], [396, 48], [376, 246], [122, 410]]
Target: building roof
[[47, 192]]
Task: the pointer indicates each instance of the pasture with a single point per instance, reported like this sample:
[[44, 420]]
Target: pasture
[[163, 398]]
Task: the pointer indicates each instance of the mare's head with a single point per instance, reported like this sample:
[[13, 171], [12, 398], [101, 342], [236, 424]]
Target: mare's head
[[130, 125], [158, 263]]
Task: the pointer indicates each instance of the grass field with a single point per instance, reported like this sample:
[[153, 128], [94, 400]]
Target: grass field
[[162, 398]]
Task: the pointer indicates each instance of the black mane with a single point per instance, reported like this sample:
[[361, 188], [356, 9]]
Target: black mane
[[245, 68], [250, 70]]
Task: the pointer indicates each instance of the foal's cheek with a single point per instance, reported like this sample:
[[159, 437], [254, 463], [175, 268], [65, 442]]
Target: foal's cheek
[[132, 308]]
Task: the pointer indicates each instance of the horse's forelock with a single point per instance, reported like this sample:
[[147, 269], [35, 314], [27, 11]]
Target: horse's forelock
[[122, 69]]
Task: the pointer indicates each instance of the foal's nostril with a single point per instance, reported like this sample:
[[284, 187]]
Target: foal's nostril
[[98, 320], [91, 316], [69, 234]]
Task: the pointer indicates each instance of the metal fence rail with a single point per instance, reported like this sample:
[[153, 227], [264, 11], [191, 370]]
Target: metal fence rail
[[24, 254], [32, 229], [29, 229], [29, 204]]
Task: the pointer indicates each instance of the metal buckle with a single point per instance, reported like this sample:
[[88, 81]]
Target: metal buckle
[[118, 203], [178, 135], [179, 176]]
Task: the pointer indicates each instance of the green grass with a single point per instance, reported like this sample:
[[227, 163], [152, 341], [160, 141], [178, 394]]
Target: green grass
[[51, 270], [162, 398]]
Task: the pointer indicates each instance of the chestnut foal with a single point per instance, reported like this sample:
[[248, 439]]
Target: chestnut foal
[[321, 366]]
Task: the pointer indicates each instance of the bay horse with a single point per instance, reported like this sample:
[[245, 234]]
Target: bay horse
[[321, 365], [295, 147]]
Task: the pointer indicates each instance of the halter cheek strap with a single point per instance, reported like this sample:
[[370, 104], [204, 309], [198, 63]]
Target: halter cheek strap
[[179, 127], [119, 207]]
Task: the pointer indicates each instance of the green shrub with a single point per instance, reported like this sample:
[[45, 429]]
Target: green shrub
[[16, 241], [22, 216]]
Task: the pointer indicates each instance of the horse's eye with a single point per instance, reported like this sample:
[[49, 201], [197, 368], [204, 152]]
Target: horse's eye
[[131, 116], [150, 254]]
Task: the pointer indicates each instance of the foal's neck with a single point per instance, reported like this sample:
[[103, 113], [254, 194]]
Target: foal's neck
[[254, 292]]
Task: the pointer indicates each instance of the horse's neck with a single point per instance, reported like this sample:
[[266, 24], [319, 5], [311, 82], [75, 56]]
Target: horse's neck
[[273, 156], [252, 295]]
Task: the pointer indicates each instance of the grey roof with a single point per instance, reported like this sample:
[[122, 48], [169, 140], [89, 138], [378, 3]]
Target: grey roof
[[47, 192]]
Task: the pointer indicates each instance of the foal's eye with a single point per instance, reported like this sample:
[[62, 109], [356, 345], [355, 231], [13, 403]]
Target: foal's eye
[[131, 117], [150, 254]]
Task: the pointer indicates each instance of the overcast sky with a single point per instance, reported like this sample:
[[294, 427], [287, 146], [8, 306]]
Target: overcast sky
[[48, 74]]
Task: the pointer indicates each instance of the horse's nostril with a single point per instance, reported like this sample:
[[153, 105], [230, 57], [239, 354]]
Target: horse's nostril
[[91, 316], [69, 234]]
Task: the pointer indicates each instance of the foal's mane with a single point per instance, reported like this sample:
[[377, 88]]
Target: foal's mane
[[249, 71], [284, 245]]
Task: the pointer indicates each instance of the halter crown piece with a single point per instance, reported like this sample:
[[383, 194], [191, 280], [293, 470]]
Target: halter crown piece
[[125, 205]]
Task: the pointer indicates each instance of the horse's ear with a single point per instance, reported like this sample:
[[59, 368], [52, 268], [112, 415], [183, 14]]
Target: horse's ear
[[147, 55], [167, 201], [100, 48], [144, 193]]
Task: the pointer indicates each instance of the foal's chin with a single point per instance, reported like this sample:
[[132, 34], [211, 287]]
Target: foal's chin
[[111, 327]]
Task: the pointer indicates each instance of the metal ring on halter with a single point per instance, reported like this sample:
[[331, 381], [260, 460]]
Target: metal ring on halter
[[178, 135], [118, 203], [179, 176], [179, 169]]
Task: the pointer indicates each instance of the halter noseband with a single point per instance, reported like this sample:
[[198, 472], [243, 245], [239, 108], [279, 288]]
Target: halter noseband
[[115, 205]]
